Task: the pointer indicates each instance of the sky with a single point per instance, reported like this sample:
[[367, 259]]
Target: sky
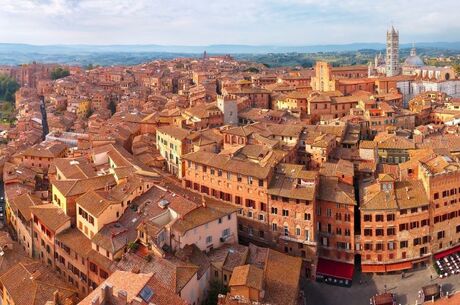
[[205, 22]]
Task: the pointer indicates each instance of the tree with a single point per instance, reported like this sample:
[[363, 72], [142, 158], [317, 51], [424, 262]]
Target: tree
[[8, 88], [112, 107], [457, 69], [59, 72], [89, 67], [215, 289], [252, 70]]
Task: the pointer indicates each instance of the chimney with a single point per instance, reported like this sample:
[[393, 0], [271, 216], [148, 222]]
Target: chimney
[[95, 300], [203, 201], [122, 297], [136, 301], [107, 291], [56, 298]]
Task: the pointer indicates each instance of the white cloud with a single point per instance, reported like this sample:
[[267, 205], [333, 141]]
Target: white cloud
[[294, 22]]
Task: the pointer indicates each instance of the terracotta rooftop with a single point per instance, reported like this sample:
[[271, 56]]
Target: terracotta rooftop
[[248, 276], [51, 216], [34, 284]]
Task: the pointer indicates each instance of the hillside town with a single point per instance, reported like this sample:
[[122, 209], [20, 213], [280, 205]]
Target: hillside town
[[215, 181]]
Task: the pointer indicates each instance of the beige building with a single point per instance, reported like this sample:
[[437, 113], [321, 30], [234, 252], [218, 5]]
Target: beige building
[[172, 142]]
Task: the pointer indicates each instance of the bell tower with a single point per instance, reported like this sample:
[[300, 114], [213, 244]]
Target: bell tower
[[392, 58]]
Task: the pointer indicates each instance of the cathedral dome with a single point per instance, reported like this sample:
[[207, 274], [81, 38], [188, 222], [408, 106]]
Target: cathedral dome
[[413, 60]]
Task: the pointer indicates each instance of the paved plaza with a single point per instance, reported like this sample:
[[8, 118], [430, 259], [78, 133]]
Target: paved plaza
[[406, 289]]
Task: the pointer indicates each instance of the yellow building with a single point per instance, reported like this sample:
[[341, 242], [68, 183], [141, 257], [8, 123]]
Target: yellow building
[[95, 209], [84, 108], [66, 192], [323, 80], [172, 144]]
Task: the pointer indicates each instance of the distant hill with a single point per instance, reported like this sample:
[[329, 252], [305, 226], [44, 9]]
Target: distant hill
[[14, 54], [218, 49]]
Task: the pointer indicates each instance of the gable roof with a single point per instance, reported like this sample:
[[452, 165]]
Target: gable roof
[[50, 215], [247, 275]]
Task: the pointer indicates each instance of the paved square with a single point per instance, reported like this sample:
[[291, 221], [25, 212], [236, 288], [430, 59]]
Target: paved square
[[406, 289]]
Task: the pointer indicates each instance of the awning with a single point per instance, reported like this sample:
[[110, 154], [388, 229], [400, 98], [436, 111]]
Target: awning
[[398, 266], [383, 299], [431, 291], [372, 268], [447, 252], [386, 268], [335, 269]]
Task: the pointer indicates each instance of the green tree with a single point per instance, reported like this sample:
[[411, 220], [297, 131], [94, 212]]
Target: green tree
[[457, 69], [112, 107], [8, 88], [89, 67], [252, 70], [59, 72], [215, 289]]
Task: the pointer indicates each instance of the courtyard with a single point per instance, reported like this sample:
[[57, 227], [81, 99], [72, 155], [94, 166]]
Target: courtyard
[[365, 286]]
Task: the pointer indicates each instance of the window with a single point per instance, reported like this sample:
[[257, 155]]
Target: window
[[379, 232], [307, 216], [328, 212], [390, 217], [261, 182], [367, 218], [367, 232], [285, 212], [219, 172], [403, 227], [391, 231], [250, 180], [403, 244], [274, 227], [209, 239], [238, 200], [441, 234], [263, 206], [307, 235], [103, 274], [226, 232], [286, 230], [379, 218], [238, 178], [274, 210]]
